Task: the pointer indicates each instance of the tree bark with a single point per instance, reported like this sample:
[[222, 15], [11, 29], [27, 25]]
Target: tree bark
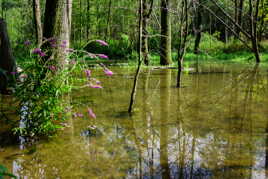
[[58, 25], [37, 21], [7, 61], [165, 46]]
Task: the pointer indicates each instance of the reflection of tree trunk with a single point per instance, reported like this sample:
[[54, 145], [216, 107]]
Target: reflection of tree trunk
[[164, 102]]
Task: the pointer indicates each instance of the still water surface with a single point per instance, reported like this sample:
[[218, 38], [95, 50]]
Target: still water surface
[[214, 127]]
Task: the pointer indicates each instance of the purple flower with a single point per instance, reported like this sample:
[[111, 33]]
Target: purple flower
[[42, 54], [95, 86], [102, 56], [52, 68], [78, 115], [13, 73], [108, 72], [27, 43], [91, 113], [101, 42], [36, 51], [88, 73]]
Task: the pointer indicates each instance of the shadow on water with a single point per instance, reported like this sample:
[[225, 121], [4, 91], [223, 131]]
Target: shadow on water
[[215, 127]]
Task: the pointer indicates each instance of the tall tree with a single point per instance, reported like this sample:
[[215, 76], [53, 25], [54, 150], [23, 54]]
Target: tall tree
[[165, 46]]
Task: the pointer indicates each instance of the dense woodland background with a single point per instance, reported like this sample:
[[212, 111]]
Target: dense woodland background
[[214, 22]]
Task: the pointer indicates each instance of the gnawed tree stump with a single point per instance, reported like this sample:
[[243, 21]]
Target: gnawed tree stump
[[7, 61]]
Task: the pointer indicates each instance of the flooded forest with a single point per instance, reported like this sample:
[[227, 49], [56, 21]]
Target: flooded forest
[[124, 89]]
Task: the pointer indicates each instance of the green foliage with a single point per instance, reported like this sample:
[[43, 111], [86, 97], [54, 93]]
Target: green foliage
[[117, 49], [4, 172], [40, 96]]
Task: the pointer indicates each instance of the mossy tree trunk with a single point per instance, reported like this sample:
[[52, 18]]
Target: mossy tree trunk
[[7, 61], [165, 46]]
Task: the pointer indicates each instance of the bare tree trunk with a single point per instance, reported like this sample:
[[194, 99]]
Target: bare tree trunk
[[146, 16], [183, 40], [165, 46], [134, 89], [37, 21], [253, 28], [239, 16]]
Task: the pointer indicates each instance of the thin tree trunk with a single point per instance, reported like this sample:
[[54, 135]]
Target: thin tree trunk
[[146, 16], [37, 21], [165, 46], [134, 89], [183, 40]]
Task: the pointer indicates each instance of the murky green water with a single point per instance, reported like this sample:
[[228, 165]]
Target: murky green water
[[214, 127]]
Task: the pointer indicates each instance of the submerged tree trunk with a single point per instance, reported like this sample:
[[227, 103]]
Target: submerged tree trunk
[[134, 88], [165, 46], [7, 61], [37, 21], [183, 40]]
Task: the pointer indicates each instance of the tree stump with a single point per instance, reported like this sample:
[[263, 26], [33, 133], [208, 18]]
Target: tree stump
[[7, 61]]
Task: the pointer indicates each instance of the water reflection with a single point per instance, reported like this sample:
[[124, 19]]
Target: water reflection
[[214, 127]]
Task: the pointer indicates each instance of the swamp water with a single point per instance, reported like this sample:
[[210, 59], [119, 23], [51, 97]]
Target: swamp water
[[214, 127]]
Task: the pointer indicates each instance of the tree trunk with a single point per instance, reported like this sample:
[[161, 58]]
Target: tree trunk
[[197, 25], [146, 15], [165, 46], [253, 28], [183, 39], [37, 21], [136, 78], [58, 25], [7, 61]]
